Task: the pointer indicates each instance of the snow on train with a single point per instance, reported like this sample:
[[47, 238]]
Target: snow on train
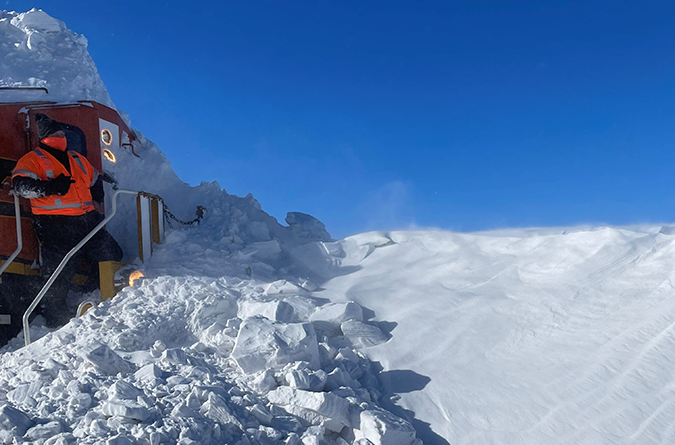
[[94, 131]]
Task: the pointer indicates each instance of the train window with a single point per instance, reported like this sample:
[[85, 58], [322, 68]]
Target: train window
[[76, 139]]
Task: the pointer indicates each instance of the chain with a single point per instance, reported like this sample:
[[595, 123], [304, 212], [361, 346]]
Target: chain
[[200, 214], [168, 216]]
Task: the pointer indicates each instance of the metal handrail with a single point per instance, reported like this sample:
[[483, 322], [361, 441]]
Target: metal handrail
[[64, 261], [19, 237]]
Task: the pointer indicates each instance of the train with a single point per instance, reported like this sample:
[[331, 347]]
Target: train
[[95, 131]]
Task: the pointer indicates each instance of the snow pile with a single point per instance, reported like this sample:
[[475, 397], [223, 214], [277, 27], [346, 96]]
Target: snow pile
[[38, 50], [194, 360]]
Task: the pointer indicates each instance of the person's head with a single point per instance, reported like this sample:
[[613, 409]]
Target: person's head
[[50, 132]]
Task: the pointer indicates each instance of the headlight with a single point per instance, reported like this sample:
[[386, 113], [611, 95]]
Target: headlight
[[109, 155], [126, 276], [106, 137]]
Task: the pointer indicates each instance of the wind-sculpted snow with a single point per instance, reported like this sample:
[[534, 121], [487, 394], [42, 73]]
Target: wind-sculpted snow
[[530, 336]]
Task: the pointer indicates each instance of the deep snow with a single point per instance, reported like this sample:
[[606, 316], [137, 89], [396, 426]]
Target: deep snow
[[248, 331]]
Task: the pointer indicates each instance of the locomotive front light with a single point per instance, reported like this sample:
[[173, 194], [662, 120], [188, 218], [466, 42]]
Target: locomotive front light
[[126, 276], [106, 137], [109, 155], [135, 275]]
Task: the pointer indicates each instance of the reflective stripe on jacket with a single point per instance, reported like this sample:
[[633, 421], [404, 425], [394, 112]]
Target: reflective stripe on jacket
[[38, 164]]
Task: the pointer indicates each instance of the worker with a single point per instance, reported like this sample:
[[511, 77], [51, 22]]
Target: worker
[[62, 186]]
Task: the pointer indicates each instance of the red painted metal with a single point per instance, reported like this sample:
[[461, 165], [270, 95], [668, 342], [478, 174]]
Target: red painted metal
[[18, 135]]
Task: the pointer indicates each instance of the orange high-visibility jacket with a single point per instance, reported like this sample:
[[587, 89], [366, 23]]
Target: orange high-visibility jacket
[[38, 164]]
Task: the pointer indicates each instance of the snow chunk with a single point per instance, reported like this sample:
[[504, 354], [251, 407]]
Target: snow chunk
[[45, 431], [262, 344], [261, 413], [125, 408], [319, 258], [313, 418], [264, 382], [272, 310], [120, 439], [24, 394], [326, 404], [11, 419], [122, 390], [36, 20], [383, 428], [285, 287], [338, 312], [175, 356], [148, 373], [362, 335], [182, 410], [306, 226], [105, 360], [340, 378], [217, 410]]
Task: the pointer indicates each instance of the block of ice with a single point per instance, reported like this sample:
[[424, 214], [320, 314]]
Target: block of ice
[[338, 312], [362, 335], [105, 360], [11, 419], [124, 391], [383, 428], [125, 408], [326, 404], [262, 344]]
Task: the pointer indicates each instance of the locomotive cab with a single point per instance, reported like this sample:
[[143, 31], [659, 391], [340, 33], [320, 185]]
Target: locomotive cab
[[94, 131]]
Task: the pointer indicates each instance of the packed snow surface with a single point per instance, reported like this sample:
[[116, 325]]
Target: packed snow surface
[[524, 337], [247, 331]]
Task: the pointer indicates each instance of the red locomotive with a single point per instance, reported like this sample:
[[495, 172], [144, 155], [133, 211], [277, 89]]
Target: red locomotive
[[93, 130]]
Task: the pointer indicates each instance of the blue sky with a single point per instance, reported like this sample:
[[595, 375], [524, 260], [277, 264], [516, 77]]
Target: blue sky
[[461, 115]]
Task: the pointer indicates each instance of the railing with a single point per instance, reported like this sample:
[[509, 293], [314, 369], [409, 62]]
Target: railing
[[24, 88], [64, 261]]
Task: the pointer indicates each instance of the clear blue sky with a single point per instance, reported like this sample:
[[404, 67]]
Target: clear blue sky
[[463, 115]]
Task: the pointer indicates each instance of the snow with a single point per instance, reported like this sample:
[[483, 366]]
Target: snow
[[38, 50], [531, 336], [246, 331]]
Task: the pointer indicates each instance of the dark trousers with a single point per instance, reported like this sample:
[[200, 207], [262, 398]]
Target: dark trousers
[[58, 234]]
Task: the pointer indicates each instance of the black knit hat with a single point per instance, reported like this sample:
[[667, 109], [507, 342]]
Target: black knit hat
[[46, 125]]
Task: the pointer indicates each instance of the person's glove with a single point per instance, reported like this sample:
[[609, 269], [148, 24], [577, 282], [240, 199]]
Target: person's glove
[[59, 185]]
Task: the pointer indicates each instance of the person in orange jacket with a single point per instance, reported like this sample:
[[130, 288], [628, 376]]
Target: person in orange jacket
[[62, 186]]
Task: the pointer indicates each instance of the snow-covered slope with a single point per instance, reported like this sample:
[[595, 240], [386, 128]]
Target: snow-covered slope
[[247, 331], [525, 336]]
